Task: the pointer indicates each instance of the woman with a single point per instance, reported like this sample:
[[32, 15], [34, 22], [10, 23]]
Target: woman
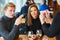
[[54, 28], [32, 20]]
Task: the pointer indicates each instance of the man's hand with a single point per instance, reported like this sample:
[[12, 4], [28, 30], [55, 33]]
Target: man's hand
[[2, 38], [19, 20]]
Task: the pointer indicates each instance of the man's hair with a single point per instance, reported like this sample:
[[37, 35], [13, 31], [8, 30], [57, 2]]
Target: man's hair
[[10, 4]]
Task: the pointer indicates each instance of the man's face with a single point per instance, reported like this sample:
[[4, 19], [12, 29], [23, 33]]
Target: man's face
[[58, 1], [9, 12]]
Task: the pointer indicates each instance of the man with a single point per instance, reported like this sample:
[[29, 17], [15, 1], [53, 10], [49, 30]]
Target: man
[[44, 8], [54, 28], [8, 25]]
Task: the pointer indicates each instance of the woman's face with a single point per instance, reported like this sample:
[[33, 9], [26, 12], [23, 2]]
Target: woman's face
[[58, 1], [34, 12]]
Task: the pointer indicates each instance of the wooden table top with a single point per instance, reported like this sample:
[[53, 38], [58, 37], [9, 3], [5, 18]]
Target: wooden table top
[[42, 38]]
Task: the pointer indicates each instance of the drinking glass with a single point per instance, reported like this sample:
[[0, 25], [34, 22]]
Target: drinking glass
[[39, 33], [30, 34]]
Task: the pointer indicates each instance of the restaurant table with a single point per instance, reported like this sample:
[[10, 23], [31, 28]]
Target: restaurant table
[[25, 36], [41, 38]]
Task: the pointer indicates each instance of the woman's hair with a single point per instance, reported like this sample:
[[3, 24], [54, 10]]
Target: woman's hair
[[29, 17]]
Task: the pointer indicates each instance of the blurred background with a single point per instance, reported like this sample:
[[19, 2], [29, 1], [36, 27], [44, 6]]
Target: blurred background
[[19, 3]]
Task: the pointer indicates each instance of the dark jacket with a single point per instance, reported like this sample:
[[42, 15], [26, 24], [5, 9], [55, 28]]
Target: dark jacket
[[54, 28], [24, 10], [7, 28], [36, 25]]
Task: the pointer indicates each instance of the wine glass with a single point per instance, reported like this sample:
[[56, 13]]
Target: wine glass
[[30, 34], [39, 33]]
